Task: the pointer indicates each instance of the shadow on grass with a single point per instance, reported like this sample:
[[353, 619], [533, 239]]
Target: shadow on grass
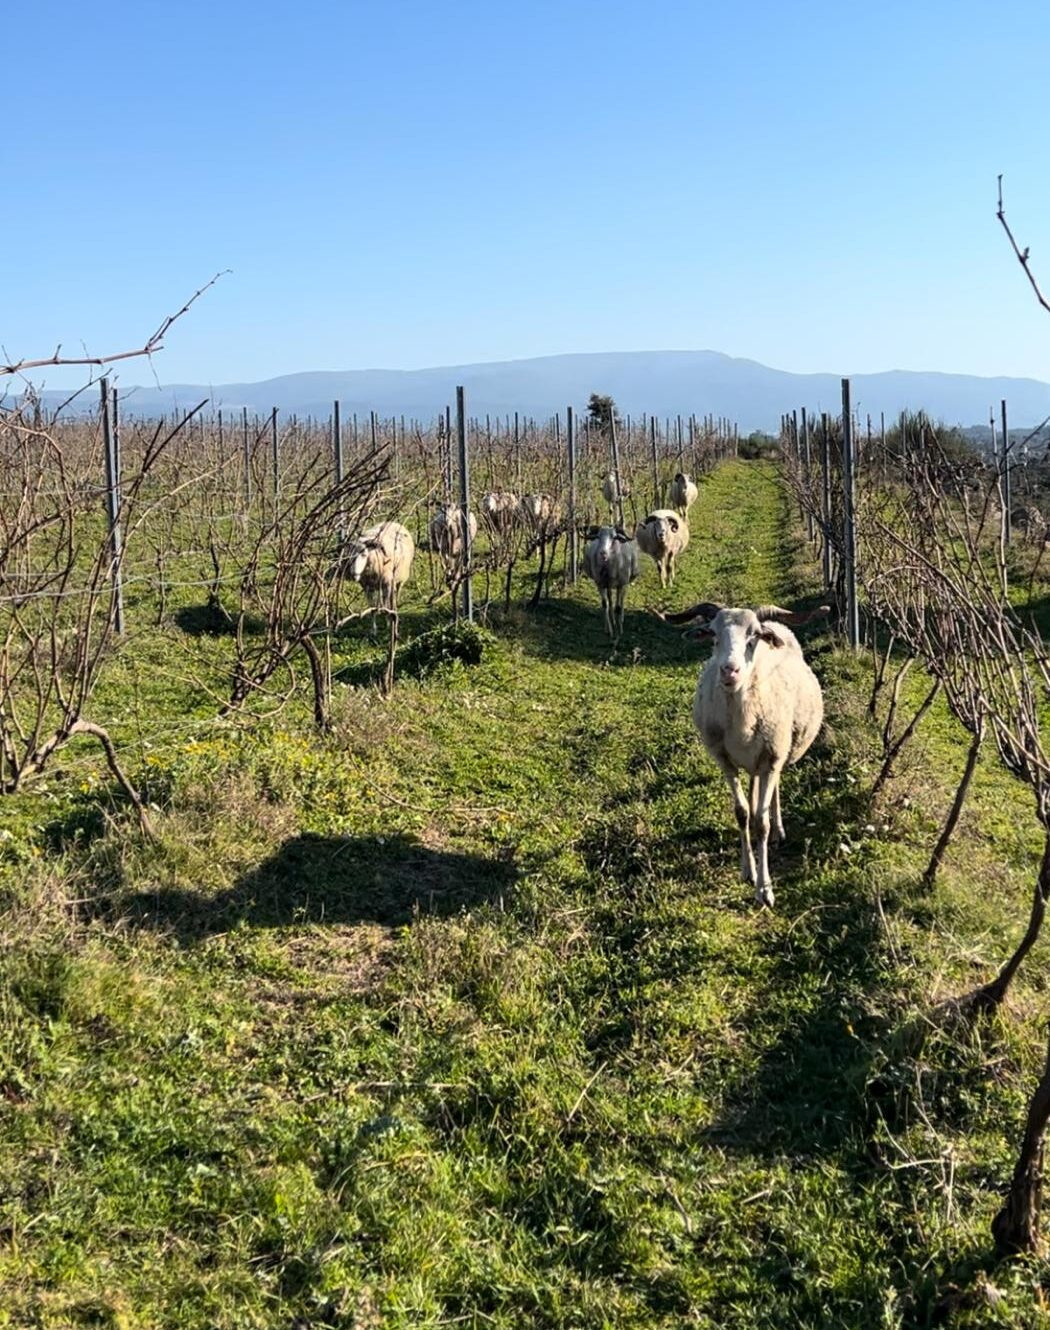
[[212, 620], [1037, 612], [329, 879], [207, 620], [809, 1094], [79, 825], [563, 629], [371, 634], [823, 953]]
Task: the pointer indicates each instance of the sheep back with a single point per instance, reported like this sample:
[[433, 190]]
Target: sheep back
[[778, 715], [663, 531], [683, 493], [611, 561], [389, 550]]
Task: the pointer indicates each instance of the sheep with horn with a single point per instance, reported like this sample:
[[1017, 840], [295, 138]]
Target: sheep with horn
[[757, 707]]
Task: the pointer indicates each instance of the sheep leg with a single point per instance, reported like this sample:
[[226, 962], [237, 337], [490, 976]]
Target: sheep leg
[[740, 810], [605, 611], [767, 785], [778, 822]]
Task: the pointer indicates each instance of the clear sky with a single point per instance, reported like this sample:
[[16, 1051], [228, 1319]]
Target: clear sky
[[400, 184]]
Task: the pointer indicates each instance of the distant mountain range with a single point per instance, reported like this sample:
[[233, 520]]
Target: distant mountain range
[[664, 383]]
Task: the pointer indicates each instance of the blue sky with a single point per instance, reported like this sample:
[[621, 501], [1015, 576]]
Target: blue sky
[[400, 184]]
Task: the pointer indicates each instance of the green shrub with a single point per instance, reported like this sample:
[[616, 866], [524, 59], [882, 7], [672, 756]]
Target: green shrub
[[459, 643]]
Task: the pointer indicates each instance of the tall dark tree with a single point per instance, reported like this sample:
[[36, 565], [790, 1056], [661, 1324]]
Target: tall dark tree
[[601, 411]]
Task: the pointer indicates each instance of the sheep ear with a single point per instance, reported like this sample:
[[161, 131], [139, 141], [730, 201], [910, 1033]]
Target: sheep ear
[[702, 632], [673, 523], [621, 536], [770, 638]]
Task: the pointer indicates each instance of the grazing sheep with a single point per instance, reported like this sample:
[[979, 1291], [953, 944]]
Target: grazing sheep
[[1030, 521], [613, 494], [757, 707], [611, 562], [663, 536], [683, 493], [380, 559], [447, 534], [542, 512], [500, 511]]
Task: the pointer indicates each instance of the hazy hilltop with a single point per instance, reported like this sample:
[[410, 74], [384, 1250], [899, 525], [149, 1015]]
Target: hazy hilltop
[[660, 382]]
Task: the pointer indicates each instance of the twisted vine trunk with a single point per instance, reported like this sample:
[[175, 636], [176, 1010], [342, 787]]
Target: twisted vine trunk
[[319, 682], [69, 731], [1016, 1227], [895, 747], [538, 590], [991, 995], [957, 806]]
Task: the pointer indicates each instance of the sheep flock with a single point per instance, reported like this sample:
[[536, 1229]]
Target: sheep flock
[[757, 706]]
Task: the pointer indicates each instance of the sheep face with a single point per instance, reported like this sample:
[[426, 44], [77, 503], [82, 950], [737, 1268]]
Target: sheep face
[[357, 559], [664, 527], [605, 544], [737, 634]]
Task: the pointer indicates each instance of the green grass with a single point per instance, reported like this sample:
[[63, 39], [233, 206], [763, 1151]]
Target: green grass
[[460, 1016]]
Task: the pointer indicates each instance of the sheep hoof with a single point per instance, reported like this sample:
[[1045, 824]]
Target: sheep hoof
[[764, 896]]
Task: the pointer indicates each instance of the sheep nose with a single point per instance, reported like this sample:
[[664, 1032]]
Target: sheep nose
[[730, 674]]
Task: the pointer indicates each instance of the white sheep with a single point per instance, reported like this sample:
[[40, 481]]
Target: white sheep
[[380, 559], [757, 707], [683, 493], [500, 511], [611, 561], [613, 493], [663, 535], [447, 535], [542, 512]]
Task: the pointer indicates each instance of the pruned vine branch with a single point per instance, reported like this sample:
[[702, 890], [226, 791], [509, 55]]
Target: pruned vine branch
[[1022, 254], [154, 343]]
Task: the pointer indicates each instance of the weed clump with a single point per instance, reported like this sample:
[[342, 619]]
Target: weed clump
[[452, 644]]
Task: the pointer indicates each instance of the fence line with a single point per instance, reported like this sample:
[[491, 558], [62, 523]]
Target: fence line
[[112, 462], [828, 501]]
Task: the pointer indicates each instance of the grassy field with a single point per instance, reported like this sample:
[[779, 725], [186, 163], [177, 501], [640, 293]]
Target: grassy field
[[459, 1016]]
